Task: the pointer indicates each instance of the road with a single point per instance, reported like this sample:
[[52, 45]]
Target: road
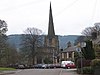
[[45, 72]]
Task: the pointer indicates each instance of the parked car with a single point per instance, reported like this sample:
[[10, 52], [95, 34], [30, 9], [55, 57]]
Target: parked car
[[21, 66], [51, 65], [70, 65], [57, 65], [67, 64], [44, 66], [38, 66]]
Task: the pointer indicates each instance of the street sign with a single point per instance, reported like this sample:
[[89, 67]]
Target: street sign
[[78, 49]]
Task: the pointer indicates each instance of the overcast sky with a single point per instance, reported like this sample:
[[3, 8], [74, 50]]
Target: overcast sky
[[70, 16]]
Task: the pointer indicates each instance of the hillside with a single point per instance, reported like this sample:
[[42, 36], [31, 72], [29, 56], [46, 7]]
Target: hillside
[[15, 40], [63, 40]]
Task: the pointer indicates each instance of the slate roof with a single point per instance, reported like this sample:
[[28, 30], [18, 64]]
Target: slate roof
[[70, 49]]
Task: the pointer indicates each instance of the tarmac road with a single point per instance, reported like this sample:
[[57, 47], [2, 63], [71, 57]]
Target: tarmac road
[[44, 72]]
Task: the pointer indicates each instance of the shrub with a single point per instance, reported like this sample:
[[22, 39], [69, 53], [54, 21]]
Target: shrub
[[87, 70], [78, 63], [85, 63], [95, 63]]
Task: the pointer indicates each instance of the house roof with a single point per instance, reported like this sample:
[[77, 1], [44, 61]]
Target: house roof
[[70, 49]]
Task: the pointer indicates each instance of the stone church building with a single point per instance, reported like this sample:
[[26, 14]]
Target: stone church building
[[50, 49]]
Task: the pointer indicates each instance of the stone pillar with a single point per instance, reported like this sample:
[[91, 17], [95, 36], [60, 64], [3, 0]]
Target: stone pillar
[[67, 55], [56, 60], [73, 55], [62, 55]]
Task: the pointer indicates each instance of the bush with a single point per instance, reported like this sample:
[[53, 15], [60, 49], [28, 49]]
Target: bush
[[85, 63], [95, 63], [87, 70], [78, 62]]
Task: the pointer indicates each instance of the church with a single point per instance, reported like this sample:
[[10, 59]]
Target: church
[[50, 50]]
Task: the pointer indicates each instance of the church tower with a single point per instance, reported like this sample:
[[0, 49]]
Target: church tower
[[51, 40]]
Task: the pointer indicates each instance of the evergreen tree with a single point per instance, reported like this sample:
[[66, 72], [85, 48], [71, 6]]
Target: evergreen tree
[[88, 51]]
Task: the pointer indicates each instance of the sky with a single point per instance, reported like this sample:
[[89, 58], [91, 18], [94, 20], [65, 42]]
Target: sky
[[70, 17]]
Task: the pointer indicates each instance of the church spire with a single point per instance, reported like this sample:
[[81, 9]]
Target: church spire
[[51, 31]]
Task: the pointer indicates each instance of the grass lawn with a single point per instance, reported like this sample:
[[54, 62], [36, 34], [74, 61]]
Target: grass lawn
[[6, 69]]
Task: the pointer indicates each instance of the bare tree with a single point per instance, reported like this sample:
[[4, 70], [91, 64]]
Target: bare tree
[[31, 40], [97, 28], [92, 32], [89, 32]]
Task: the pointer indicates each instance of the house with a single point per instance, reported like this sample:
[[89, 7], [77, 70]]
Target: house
[[68, 53]]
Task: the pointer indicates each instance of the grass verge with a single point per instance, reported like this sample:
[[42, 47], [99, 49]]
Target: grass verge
[[6, 69]]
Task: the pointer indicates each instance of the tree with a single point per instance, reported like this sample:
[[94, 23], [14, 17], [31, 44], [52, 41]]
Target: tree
[[12, 55], [31, 40], [92, 32], [3, 27], [8, 54], [88, 32], [88, 51], [3, 39], [97, 28]]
